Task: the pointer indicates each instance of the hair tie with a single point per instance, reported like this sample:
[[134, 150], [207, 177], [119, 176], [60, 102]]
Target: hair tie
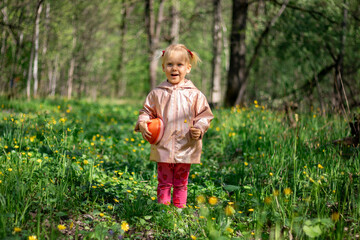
[[191, 54], [163, 53]]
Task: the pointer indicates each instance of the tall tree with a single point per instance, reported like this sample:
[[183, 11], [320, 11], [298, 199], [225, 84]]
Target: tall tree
[[217, 50]]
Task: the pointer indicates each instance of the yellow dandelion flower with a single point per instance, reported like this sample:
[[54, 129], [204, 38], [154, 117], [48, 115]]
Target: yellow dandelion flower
[[229, 210], [245, 163], [231, 203], [193, 176], [17, 229], [267, 200], [71, 225], [213, 218], [230, 230], [200, 199], [240, 212], [129, 191], [153, 198], [33, 237], [193, 237], [251, 210], [115, 200], [94, 186], [101, 214], [252, 233], [335, 216], [39, 160], [10, 169], [287, 191], [320, 166], [110, 207], [86, 162], [125, 226], [213, 200], [61, 227], [202, 217], [271, 174]]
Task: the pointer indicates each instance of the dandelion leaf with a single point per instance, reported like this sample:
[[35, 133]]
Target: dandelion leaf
[[312, 231]]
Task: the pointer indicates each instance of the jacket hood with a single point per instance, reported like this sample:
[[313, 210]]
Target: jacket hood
[[187, 84]]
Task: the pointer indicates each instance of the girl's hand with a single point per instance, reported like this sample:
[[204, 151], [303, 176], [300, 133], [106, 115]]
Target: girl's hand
[[146, 134], [195, 133]]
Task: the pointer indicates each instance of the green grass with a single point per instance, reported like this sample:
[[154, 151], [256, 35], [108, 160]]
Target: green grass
[[80, 166]]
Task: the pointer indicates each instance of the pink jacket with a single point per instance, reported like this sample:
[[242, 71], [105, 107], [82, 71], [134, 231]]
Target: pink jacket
[[180, 107]]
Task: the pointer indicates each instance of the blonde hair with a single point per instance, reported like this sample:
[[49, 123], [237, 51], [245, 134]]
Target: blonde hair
[[191, 57]]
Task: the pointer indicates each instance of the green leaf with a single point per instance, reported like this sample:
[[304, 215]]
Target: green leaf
[[231, 188], [61, 214], [312, 231]]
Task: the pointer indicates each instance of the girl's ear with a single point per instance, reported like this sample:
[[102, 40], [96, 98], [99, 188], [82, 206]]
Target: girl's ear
[[188, 68]]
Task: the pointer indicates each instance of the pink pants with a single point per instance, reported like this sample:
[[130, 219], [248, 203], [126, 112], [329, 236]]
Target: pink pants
[[173, 175]]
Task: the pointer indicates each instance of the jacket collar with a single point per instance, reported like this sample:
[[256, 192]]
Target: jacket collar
[[187, 84]]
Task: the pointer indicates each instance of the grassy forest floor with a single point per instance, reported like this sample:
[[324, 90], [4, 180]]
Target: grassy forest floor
[[77, 170]]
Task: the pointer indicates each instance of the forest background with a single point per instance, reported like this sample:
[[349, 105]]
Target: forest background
[[277, 52]]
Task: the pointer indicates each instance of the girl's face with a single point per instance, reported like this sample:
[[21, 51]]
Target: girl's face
[[176, 66]]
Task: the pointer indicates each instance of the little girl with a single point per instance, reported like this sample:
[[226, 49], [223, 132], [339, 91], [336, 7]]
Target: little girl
[[186, 115]]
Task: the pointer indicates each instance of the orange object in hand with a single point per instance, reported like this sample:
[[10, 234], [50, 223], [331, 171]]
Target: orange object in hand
[[156, 127]]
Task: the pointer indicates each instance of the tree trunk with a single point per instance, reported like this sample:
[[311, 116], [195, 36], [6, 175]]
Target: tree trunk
[[153, 30], [338, 99], [36, 49], [120, 81], [237, 68], [53, 74], [28, 85], [175, 21], [3, 77], [217, 50], [240, 96], [71, 70]]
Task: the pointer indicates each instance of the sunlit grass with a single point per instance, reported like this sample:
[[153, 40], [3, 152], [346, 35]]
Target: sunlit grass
[[74, 167]]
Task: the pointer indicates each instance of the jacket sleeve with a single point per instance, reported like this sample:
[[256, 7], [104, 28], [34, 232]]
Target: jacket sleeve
[[147, 112], [203, 114]]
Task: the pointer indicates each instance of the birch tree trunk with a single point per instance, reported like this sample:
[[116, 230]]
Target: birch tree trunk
[[36, 49], [153, 30], [71, 70], [217, 50]]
